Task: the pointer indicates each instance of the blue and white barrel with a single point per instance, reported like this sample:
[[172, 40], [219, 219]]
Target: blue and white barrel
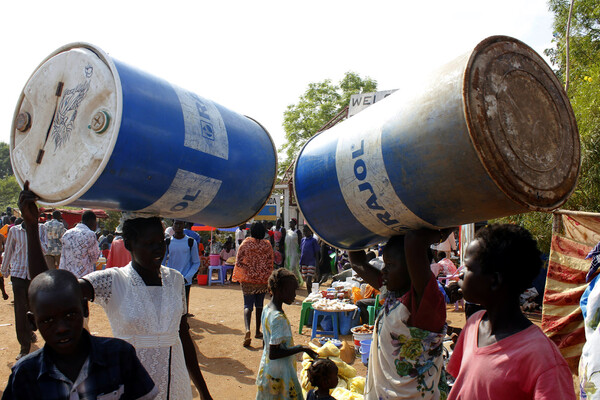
[[91, 131], [487, 135]]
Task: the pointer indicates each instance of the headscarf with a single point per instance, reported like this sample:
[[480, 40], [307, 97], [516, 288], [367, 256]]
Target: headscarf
[[595, 256]]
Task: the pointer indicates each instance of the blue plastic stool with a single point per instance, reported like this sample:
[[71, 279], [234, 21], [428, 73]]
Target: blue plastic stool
[[315, 324], [220, 275]]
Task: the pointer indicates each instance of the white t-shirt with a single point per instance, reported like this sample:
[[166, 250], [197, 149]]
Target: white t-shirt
[[239, 235]]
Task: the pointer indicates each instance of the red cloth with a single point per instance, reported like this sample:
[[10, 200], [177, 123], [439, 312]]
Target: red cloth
[[254, 261], [525, 365], [430, 314], [118, 256]]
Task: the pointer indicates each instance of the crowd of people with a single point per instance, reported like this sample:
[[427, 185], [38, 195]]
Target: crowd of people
[[145, 287]]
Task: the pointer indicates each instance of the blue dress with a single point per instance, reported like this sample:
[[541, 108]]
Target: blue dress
[[277, 379]]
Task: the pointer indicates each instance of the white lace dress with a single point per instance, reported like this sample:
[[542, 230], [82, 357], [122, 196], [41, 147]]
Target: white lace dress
[[148, 317]]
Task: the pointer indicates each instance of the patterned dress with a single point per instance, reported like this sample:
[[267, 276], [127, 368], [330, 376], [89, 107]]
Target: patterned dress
[[404, 362], [277, 379], [148, 317], [253, 265]]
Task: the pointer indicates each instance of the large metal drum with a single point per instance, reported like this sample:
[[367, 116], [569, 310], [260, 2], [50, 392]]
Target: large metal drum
[[489, 134], [91, 131]]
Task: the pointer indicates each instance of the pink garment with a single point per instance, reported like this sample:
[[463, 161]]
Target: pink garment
[[226, 255], [448, 267], [435, 268], [119, 256], [526, 365]]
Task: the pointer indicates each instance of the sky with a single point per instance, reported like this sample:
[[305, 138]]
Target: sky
[[257, 57]]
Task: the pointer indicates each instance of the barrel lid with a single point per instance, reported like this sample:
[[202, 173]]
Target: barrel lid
[[521, 123], [66, 123]]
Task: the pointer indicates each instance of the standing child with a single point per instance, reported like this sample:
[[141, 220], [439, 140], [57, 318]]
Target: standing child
[[105, 250], [277, 377], [406, 354], [500, 354], [279, 244], [73, 363], [309, 257], [2, 288], [322, 374]]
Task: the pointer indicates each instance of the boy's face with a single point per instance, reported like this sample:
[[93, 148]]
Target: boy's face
[[395, 272], [476, 285], [59, 318], [331, 380]]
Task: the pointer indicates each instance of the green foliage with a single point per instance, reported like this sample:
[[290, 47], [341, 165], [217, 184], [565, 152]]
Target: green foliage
[[585, 99], [5, 167], [538, 223], [584, 94], [9, 192], [584, 89], [110, 223], [321, 102]]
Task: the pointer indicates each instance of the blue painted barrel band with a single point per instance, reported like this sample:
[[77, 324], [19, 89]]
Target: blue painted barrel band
[[183, 156], [321, 201]]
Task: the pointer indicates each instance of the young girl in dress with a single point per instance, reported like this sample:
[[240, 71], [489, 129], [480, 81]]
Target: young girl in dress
[[322, 374], [277, 377]]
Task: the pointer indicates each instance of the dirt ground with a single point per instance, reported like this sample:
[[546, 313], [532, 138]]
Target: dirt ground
[[217, 329]]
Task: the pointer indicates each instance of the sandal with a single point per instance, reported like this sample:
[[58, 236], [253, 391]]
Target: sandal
[[259, 335], [247, 339]]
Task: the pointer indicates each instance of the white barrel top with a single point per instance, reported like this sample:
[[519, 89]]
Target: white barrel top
[[66, 123]]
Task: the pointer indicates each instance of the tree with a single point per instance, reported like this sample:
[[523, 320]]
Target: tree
[[9, 192], [584, 94], [584, 89], [5, 167], [110, 223], [321, 102]]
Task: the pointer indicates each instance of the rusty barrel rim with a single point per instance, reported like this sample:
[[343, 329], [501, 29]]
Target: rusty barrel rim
[[529, 144]]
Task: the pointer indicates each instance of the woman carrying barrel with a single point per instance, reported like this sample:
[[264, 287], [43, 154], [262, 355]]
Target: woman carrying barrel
[[144, 302], [253, 266]]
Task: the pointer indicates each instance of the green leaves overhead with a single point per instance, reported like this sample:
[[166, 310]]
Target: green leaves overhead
[[320, 102]]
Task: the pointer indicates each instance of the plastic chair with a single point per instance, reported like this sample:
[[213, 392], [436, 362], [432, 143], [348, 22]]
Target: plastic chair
[[315, 324], [304, 314], [373, 310], [334, 269], [220, 275]]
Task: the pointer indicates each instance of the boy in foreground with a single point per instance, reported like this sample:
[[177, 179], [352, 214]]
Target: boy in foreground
[[73, 364], [500, 354]]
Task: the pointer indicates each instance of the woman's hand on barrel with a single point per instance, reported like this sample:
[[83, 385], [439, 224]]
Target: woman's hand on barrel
[[29, 210], [366, 271]]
